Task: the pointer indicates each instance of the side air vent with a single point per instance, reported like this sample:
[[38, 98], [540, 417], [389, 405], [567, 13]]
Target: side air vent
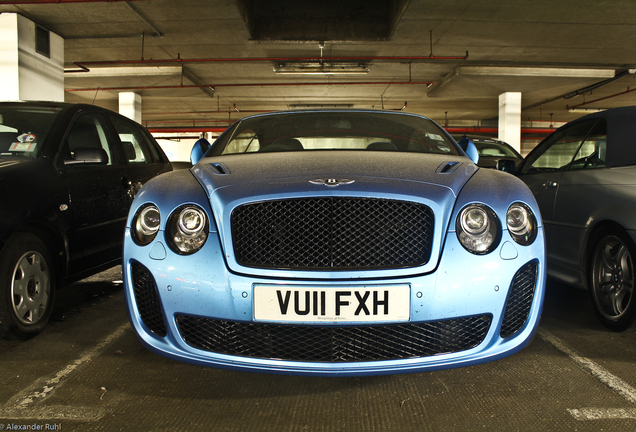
[[218, 168], [447, 167]]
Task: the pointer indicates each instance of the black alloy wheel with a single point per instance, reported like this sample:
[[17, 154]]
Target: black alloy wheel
[[611, 279], [27, 287]]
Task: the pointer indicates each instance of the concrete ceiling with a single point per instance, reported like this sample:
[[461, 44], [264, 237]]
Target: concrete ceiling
[[446, 59]]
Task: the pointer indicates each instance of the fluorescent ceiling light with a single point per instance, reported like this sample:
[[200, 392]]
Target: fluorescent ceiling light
[[319, 105], [535, 72], [126, 71], [586, 110], [322, 69]]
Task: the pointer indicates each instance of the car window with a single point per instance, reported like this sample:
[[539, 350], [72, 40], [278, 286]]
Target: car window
[[592, 152], [493, 149], [558, 150], [89, 131], [23, 129], [133, 140], [244, 142], [346, 130]]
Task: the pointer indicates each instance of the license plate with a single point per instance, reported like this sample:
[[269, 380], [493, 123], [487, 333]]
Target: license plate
[[385, 303]]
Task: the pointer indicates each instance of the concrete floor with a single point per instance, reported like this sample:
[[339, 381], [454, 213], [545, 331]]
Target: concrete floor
[[87, 372]]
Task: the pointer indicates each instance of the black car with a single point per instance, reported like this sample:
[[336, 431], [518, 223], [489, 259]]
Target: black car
[[68, 175], [493, 153], [583, 177]]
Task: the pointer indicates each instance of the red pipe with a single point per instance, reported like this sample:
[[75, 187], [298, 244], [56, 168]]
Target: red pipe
[[206, 112], [214, 86], [187, 129], [194, 122], [479, 129], [453, 129], [61, 1]]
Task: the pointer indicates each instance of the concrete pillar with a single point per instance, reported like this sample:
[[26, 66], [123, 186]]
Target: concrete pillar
[[130, 105], [31, 61], [510, 119]]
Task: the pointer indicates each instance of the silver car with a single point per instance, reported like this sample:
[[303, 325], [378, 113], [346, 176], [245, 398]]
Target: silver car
[[584, 179]]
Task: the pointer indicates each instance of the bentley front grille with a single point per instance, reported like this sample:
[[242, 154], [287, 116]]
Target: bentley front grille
[[337, 233], [333, 343]]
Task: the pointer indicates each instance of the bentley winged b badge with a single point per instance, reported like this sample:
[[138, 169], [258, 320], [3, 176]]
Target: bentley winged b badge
[[331, 181]]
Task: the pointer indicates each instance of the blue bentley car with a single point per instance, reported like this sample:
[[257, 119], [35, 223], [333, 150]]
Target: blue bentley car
[[334, 242]]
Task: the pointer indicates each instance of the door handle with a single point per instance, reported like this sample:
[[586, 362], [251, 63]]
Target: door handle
[[550, 184]]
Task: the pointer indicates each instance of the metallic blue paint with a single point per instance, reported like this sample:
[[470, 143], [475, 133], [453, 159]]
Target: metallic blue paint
[[453, 284]]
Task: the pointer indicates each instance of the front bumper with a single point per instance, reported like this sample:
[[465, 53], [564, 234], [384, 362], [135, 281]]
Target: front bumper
[[470, 310]]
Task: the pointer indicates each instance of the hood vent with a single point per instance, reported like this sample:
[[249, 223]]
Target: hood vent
[[219, 168], [447, 167]]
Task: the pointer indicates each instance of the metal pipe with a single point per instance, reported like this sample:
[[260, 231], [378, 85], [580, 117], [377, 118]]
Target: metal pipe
[[268, 59], [600, 99], [285, 84]]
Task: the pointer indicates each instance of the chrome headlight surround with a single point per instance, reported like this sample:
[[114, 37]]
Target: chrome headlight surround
[[187, 229], [145, 224], [478, 229], [521, 224]]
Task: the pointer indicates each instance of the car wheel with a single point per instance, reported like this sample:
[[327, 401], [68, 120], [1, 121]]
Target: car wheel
[[611, 279], [27, 287]]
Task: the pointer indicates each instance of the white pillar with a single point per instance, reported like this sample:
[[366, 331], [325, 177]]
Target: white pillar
[[130, 105], [510, 119], [30, 70]]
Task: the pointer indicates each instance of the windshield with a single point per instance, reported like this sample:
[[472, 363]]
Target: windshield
[[307, 131], [494, 149], [23, 129]]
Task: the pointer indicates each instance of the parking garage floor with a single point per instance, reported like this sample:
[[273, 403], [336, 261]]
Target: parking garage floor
[[88, 372]]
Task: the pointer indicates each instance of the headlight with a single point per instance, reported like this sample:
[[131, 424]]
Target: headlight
[[522, 225], [187, 230], [478, 229], [146, 224]]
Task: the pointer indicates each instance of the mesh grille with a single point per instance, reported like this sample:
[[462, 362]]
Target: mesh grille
[[147, 299], [519, 299], [335, 343], [333, 234]]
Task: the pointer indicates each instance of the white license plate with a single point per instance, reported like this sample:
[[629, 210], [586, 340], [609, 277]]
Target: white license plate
[[383, 303]]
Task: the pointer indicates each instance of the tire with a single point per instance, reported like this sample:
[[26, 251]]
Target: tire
[[611, 279], [27, 287]]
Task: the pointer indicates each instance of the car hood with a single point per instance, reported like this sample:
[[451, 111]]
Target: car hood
[[433, 180], [293, 171]]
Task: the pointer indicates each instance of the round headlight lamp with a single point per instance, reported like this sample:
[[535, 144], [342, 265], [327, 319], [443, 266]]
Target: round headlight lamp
[[146, 224], [478, 229], [521, 223], [187, 229]]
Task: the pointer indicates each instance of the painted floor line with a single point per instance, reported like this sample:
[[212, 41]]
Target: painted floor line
[[603, 413], [603, 375], [22, 404]]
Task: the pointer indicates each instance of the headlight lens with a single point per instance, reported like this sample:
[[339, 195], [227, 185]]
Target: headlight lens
[[522, 225], [478, 229], [146, 224], [187, 230]]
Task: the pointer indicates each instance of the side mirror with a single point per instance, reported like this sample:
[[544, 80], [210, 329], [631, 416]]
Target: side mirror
[[88, 155], [198, 150], [506, 165], [470, 149]]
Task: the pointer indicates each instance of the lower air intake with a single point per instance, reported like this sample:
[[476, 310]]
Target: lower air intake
[[334, 343], [520, 299]]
